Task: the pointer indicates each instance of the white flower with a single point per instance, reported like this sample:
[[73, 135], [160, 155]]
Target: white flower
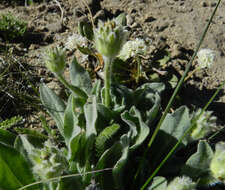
[[181, 183], [74, 40], [133, 48], [206, 57]]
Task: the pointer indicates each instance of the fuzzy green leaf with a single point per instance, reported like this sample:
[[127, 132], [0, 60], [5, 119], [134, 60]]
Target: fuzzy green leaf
[[96, 90], [197, 166], [172, 129], [7, 137], [146, 99], [71, 128], [54, 105], [118, 170], [108, 160], [14, 170], [104, 137], [77, 148], [159, 183], [79, 77], [176, 124], [90, 112], [139, 130]]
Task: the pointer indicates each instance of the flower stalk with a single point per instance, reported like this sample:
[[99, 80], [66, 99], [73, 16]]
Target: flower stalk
[[109, 39], [107, 82]]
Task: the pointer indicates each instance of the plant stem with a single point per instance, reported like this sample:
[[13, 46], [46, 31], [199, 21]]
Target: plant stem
[[107, 79], [75, 90]]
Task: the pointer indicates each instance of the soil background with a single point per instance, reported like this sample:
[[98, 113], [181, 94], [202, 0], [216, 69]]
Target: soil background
[[175, 24]]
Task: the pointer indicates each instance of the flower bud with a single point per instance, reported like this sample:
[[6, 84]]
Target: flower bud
[[203, 125], [55, 60], [217, 165], [181, 183], [109, 38]]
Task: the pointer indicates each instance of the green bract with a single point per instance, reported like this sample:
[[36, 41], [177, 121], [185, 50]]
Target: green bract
[[55, 60], [217, 165], [109, 38]]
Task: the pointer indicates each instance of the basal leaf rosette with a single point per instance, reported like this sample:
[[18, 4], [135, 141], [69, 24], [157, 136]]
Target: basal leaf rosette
[[217, 165], [109, 38]]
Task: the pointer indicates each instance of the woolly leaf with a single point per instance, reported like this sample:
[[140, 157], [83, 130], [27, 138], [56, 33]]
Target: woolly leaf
[[172, 129], [118, 170], [54, 105], [7, 137], [79, 77], [104, 137], [197, 166], [14, 170], [159, 183], [90, 112], [139, 130], [71, 128]]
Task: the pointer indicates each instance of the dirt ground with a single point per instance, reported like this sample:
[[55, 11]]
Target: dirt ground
[[175, 24]]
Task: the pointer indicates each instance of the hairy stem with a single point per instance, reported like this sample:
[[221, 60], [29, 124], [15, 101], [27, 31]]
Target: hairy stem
[[107, 80]]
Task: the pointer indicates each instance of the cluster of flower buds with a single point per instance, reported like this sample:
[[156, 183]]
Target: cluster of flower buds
[[55, 60], [204, 124], [109, 38], [217, 165], [48, 162]]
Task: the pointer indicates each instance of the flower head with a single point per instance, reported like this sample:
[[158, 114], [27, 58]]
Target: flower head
[[74, 40], [132, 49], [206, 57], [181, 183], [55, 60], [217, 165], [203, 125], [109, 38]]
